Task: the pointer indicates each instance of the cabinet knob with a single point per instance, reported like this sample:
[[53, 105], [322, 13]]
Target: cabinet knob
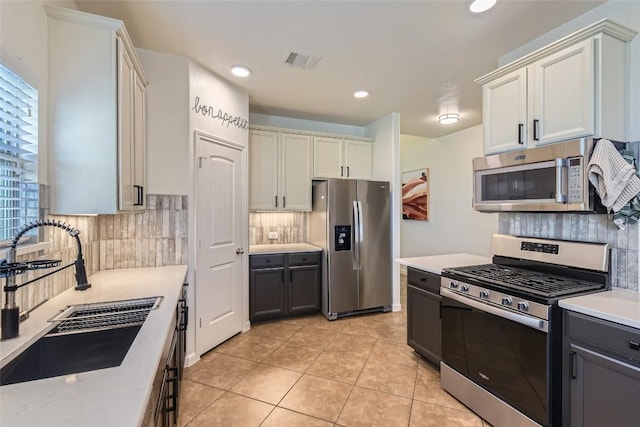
[[240, 251]]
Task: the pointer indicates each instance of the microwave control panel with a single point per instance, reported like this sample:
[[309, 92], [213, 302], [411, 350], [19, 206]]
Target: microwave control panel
[[575, 178]]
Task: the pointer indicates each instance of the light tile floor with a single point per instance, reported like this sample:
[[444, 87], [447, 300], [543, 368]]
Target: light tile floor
[[308, 371]]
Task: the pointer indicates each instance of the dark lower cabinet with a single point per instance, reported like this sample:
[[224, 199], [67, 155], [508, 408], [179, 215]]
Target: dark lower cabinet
[[424, 333], [602, 373], [163, 408], [284, 284]]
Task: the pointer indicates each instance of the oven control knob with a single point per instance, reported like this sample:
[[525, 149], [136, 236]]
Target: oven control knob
[[523, 305], [484, 294], [507, 301], [465, 288], [453, 285]]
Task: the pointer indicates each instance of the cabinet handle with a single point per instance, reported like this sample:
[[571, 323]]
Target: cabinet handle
[[290, 275], [520, 129], [573, 365], [347, 171], [139, 195], [284, 201], [276, 197], [535, 129], [634, 345], [341, 170]]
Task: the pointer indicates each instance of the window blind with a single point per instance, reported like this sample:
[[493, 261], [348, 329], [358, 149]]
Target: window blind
[[18, 154]]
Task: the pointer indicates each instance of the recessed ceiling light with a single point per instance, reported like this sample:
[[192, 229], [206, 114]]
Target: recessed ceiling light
[[478, 6], [240, 71], [449, 118], [361, 94]]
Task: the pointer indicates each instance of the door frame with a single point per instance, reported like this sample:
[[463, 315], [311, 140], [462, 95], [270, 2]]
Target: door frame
[[244, 220]]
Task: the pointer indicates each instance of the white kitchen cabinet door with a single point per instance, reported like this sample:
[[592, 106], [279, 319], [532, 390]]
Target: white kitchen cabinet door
[[295, 174], [564, 95], [96, 109], [327, 158], [357, 155], [126, 88], [263, 170], [139, 143], [504, 106]]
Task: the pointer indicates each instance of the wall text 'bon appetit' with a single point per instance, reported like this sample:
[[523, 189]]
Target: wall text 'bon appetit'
[[225, 118]]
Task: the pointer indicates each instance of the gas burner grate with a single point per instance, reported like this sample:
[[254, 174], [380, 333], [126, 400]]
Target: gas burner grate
[[542, 284]]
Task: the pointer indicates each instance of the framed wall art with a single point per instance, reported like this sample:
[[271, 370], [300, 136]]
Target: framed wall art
[[415, 194]]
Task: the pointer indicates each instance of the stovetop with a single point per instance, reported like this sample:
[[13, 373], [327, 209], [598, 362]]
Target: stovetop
[[547, 286]]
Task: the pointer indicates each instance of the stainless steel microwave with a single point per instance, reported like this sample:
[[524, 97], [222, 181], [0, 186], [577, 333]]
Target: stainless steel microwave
[[551, 178]]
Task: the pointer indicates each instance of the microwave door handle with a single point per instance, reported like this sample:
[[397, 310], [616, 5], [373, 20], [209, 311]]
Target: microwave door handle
[[561, 180]]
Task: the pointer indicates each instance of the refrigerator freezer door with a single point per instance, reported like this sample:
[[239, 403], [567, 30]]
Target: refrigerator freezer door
[[375, 245], [342, 280]]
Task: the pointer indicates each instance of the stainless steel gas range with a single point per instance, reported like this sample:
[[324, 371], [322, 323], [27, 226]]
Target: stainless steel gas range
[[501, 326]]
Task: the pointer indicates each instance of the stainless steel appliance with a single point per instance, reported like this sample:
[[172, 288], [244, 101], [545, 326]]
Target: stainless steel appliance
[[548, 178], [350, 220], [502, 327]]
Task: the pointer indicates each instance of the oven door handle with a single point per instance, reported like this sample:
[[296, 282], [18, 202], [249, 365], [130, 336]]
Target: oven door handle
[[531, 322]]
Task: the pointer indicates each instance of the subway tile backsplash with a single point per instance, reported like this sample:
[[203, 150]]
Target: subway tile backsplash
[[290, 226], [584, 228], [155, 237], [151, 238]]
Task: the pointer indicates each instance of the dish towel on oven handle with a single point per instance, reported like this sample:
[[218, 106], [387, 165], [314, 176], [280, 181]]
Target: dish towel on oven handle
[[616, 181]]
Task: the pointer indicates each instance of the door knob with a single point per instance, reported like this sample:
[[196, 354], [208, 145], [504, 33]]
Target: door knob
[[239, 251]]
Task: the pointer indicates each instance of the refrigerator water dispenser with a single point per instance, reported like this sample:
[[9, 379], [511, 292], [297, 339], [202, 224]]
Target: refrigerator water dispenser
[[343, 238]]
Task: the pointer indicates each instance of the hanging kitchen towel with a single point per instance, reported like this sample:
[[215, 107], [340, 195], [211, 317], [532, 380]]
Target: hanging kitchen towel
[[612, 176]]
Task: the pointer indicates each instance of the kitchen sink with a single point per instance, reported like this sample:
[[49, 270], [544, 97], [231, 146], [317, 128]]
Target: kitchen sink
[[86, 337]]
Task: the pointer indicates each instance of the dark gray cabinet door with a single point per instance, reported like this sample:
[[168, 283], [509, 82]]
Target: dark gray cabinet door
[[602, 373], [304, 289], [424, 332], [267, 293], [604, 392]]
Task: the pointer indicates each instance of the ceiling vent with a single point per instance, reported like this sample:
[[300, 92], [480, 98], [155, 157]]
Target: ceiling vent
[[302, 60]]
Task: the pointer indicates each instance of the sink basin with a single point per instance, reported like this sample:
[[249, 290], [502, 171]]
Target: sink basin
[[86, 337]]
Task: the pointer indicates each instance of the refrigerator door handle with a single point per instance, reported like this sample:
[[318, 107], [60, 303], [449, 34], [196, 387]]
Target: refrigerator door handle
[[360, 234], [355, 253]]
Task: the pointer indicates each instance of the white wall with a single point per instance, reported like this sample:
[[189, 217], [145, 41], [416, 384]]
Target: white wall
[[626, 13], [23, 32], [386, 165], [453, 225], [167, 98]]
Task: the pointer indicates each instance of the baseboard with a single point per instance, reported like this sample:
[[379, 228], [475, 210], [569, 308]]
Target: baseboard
[[190, 359], [396, 307]]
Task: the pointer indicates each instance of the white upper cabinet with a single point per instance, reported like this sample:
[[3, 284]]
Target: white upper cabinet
[[341, 158], [279, 171], [564, 94], [504, 105], [96, 115], [575, 87]]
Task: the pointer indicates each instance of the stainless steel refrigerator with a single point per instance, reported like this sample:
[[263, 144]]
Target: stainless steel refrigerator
[[350, 220]]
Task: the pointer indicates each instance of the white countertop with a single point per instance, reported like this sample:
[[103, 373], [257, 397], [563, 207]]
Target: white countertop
[[435, 263], [106, 397], [617, 305], [283, 248]]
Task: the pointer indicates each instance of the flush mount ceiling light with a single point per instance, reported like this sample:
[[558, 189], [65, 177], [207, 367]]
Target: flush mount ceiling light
[[361, 94], [478, 6], [240, 71], [449, 118]]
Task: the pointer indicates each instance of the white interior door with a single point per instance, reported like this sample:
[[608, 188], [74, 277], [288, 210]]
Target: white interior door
[[219, 258]]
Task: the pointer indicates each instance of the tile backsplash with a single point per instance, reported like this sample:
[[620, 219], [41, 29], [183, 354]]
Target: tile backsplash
[[584, 228], [157, 236], [290, 226], [151, 238]]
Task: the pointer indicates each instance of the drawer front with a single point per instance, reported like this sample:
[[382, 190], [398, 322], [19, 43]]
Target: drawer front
[[618, 339], [304, 258], [266, 261], [423, 280]]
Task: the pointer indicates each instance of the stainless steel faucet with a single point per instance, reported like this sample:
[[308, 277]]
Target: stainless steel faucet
[[10, 268]]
